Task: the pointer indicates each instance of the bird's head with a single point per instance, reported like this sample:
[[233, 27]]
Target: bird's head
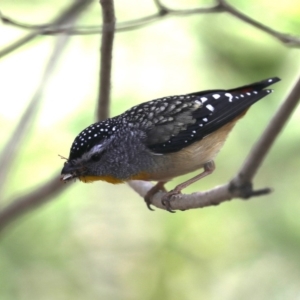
[[88, 160]]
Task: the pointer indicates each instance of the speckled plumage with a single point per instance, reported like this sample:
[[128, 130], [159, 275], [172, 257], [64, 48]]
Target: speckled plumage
[[157, 138]]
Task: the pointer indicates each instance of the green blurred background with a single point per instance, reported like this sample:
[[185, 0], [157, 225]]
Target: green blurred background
[[99, 241]]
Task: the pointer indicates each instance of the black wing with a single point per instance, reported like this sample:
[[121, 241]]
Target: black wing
[[201, 113]]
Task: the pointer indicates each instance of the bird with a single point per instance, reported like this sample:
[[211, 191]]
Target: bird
[[161, 139]]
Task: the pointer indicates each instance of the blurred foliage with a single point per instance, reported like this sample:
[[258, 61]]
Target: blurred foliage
[[98, 241]]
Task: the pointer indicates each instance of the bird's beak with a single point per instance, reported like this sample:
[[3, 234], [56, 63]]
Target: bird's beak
[[68, 172]]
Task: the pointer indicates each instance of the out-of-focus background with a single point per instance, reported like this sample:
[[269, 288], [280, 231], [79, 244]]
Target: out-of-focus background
[[99, 241]]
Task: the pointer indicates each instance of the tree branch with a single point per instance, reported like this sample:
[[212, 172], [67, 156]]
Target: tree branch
[[108, 15], [24, 125], [235, 188], [163, 11], [54, 186], [263, 145], [241, 185], [62, 22], [293, 41], [212, 197], [21, 205]]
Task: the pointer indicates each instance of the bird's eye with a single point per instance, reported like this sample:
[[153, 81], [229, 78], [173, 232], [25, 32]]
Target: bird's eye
[[95, 157]]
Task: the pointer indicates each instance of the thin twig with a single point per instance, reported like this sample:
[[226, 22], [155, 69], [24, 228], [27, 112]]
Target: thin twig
[[288, 39], [49, 28], [212, 197], [8, 154], [262, 147], [108, 15], [163, 11], [60, 22], [9, 21], [17, 44], [23, 127]]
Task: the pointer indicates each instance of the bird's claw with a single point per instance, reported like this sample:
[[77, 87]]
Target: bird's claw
[[167, 198], [149, 203]]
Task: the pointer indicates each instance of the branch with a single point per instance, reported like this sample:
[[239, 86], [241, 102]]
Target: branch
[[262, 147], [60, 22], [241, 185], [47, 29], [40, 195], [293, 41], [17, 44], [212, 197], [108, 15], [163, 11], [25, 203], [23, 127]]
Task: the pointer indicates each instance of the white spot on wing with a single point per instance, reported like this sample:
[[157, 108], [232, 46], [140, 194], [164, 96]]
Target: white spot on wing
[[228, 95], [210, 107], [216, 96], [203, 99]]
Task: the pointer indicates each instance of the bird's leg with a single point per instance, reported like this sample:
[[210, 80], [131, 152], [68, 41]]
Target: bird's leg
[[208, 167], [158, 187]]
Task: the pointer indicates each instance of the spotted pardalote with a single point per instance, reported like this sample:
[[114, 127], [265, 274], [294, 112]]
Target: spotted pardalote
[[161, 139]]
